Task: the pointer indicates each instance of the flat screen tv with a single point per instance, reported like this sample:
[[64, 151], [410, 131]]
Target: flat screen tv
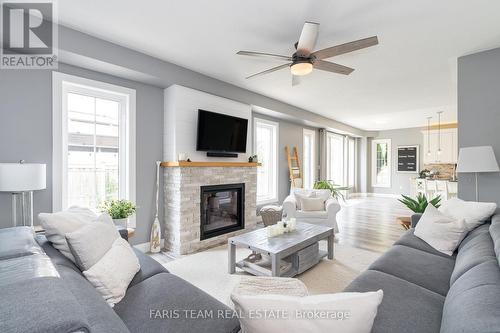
[[221, 133]]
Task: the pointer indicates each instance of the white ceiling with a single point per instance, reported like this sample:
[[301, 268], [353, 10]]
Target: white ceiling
[[410, 75]]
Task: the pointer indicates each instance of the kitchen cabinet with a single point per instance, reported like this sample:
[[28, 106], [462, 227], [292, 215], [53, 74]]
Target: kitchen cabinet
[[449, 146]]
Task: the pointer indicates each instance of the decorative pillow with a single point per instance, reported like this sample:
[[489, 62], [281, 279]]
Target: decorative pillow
[[319, 193], [474, 213], [90, 243], [112, 274], [299, 194], [312, 204], [57, 225], [342, 312], [442, 232]]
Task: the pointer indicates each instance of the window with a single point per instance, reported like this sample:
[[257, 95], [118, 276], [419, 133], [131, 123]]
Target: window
[[381, 163], [351, 163], [94, 142], [335, 158], [266, 148], [309, 164]]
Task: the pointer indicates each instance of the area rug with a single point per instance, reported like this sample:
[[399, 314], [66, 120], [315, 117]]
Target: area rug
[[208, 270]]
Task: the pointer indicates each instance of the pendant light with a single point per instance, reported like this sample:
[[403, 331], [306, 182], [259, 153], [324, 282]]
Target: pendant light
[[439, 151], [429, 136]]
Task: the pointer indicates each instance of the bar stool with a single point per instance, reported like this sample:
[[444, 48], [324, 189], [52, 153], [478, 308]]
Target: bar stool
[[442, 189], [430, 189]]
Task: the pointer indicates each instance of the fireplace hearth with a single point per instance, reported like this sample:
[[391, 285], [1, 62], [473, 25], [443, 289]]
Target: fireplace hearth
[[222, 209]]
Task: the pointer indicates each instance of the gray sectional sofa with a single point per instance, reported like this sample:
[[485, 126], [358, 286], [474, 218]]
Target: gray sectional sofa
[[427, 291], [43, 291]]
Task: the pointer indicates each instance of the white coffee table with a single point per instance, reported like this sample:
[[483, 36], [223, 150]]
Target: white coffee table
[[299, 248]]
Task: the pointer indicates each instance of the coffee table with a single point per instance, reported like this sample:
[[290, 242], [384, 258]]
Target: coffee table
[[299, 248]]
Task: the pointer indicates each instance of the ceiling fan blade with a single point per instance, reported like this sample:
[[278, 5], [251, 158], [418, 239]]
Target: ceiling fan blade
[[332, 67], [295, 80], [308, 38], [345, 48], [277, 68], [264, 55]]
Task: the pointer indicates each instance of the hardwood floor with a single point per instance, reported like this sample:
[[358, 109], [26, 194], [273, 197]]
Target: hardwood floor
[[370, 223], [366, 223]]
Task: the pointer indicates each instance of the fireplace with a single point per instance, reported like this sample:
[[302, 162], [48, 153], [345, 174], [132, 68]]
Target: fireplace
[[222, 209]]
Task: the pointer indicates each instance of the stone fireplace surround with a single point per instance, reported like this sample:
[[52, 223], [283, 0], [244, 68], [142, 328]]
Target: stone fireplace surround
[[182, 203]]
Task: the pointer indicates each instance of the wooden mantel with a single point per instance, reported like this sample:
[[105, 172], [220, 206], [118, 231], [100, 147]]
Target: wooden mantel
[[208, 164]]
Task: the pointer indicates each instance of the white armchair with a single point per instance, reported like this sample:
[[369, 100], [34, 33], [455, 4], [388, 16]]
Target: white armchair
[[327, 217]]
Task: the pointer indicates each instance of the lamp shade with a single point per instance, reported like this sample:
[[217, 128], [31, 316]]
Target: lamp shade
[[20, 177], [477, 159]]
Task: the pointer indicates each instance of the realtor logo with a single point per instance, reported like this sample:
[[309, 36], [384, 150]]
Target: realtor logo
[[29, 35]]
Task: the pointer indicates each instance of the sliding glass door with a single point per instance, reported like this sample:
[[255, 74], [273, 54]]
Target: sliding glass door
[[341, 164], [309, 163], [335, 158]]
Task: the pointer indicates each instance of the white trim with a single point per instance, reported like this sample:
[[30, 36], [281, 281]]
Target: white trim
[[275, 157], [312, 165], [374, 162], [63, 83]]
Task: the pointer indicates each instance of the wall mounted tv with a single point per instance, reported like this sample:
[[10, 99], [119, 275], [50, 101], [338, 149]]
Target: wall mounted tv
[[221, 134]]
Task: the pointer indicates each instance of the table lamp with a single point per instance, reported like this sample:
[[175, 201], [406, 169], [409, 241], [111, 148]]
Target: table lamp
[[477, 160], [21, 179]]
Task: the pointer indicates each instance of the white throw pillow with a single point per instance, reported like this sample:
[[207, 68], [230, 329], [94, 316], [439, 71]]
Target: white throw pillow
[[312, 204], [299, 194], [320, 193], [342, 312], [57, 225], [474, 213], [90, 243], [442, 232], [112, 274]]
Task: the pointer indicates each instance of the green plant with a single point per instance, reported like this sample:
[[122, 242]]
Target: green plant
[[118, 209], [333, 188], [419, 204]]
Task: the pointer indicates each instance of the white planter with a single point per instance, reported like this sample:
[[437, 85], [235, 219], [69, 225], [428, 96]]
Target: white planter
[[121, 222]]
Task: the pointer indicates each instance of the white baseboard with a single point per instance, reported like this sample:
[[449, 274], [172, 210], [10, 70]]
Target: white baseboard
[[144, 247], [379, 195]]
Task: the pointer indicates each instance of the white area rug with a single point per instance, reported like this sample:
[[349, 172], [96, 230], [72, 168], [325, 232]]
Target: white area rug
[[208, 270]]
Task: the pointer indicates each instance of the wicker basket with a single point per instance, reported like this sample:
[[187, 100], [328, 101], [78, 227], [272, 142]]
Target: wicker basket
[[271, 214]]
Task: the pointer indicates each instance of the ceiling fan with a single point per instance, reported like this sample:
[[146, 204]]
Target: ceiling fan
[[305, 59]]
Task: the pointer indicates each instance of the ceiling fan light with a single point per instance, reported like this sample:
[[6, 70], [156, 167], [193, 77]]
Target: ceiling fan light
[[301, 68]]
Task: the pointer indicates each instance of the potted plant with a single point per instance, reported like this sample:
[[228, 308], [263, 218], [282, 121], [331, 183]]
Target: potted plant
[[335, 190], [119, 210], [419, 204]]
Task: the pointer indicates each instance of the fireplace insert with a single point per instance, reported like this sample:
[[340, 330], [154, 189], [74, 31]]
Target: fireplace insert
[[222, 209]]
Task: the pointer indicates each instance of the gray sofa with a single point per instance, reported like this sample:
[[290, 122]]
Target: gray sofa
[[428, 291], [43, 291]]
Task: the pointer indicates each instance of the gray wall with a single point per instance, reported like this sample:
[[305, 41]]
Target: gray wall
[[26, 129], [479, 117], [400, 182], [290, 134], [26, 133]]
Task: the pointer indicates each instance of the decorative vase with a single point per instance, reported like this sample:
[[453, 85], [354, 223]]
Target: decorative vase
[[121, 222], [154, 242]]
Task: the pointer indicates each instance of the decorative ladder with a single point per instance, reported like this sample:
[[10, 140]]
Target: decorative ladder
[[294, 167]]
